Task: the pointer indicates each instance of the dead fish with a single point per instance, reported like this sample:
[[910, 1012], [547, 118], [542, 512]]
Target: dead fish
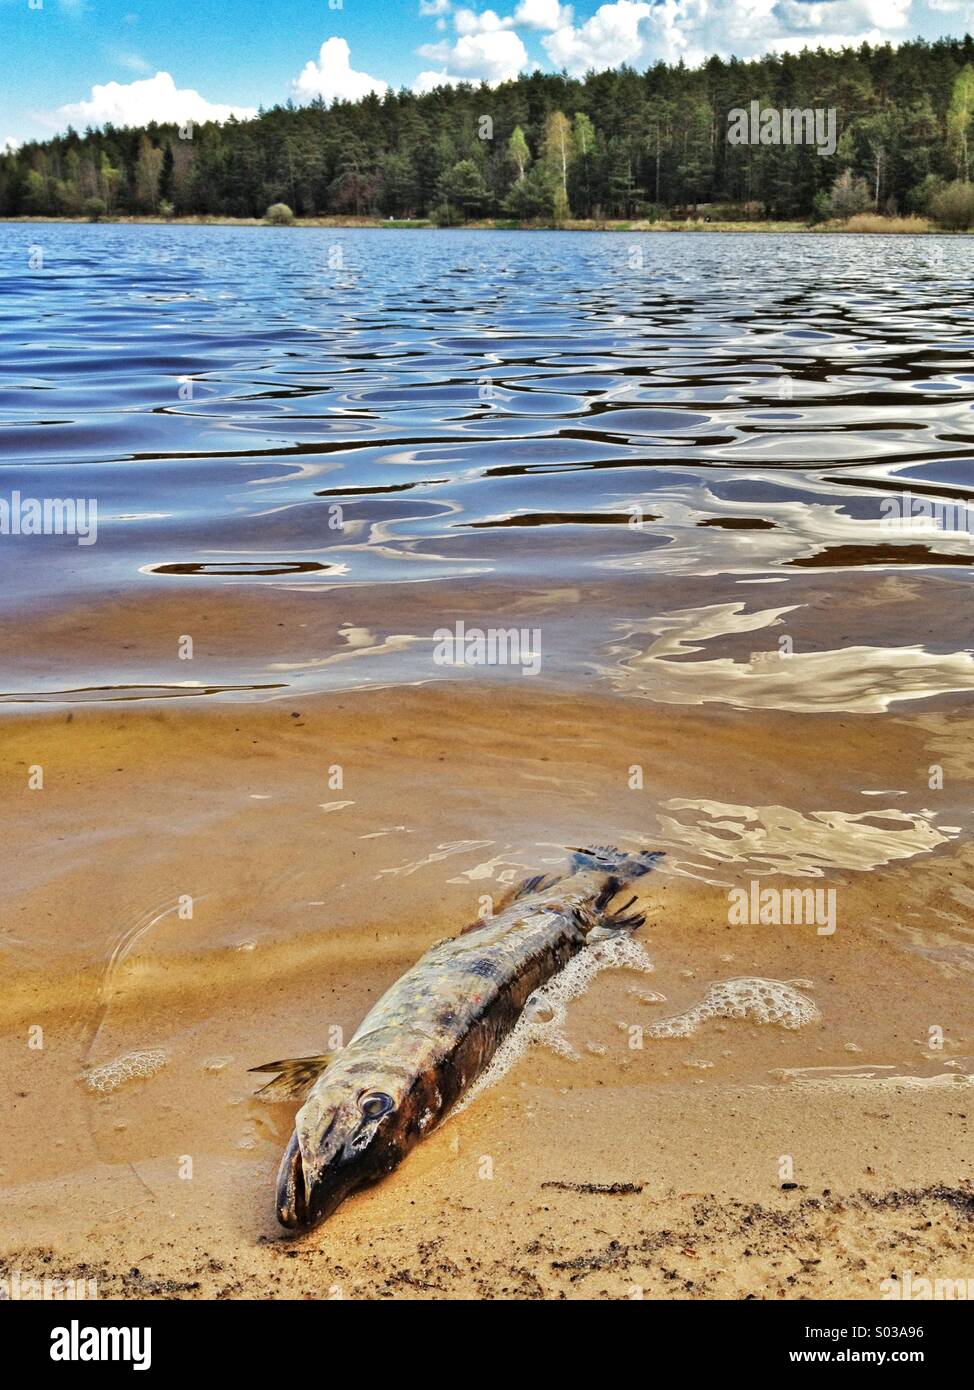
[[435, 1031]]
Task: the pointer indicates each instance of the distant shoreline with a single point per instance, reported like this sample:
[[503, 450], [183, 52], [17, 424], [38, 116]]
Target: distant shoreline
[[868, 224]]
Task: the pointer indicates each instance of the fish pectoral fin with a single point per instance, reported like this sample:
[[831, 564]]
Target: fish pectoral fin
[[600, 925], [297, 1076], [621, 919]]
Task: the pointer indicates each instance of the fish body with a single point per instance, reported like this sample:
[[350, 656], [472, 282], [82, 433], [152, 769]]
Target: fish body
[[430, 1036]]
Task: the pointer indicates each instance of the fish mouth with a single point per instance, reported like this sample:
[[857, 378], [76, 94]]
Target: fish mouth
[[292, 1205], [302, 1205]]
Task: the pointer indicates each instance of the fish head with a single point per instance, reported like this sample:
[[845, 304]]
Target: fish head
[[350, 1131]]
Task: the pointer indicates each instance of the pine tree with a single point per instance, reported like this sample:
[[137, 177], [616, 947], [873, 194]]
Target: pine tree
[[166, 175]]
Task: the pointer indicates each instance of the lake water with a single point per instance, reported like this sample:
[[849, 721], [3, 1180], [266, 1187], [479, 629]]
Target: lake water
[[436, 426]]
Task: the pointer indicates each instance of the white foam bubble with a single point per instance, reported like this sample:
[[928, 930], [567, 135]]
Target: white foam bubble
[[110, 1075], [761, 1001], [546, 1011]]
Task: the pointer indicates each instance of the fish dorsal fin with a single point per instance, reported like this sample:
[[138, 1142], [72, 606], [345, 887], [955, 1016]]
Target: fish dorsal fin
[[297, 1076], [537, 883]]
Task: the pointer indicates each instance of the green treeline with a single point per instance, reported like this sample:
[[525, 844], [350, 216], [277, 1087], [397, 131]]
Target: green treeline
[[615, 144]]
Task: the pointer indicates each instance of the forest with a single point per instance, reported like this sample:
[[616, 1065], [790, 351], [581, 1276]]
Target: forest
[[546, 147]]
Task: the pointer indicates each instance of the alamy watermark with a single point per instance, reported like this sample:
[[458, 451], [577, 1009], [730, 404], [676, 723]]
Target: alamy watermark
[[77, 1343], [912, 1286], [49, 516], [757, 125], [23, 1288], [909, 515], [492, 646], [775, 907]]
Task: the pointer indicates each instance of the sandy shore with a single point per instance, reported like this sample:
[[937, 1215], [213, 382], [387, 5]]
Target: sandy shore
[[308, 899], [698, 1211]]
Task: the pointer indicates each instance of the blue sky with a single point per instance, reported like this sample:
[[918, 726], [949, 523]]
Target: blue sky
[[86, 61]]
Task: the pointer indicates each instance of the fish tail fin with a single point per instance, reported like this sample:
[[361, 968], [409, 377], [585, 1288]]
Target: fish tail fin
[[621, 864], [297, 1076]]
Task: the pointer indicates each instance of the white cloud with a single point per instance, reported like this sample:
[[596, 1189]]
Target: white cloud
[[543, 14], [493, 57], [9, 145], [843, 16], [530, 14], [487, 22], [434, 7], [641, 33], [333, 78], [429, 81], [152, 99], [610, 37]]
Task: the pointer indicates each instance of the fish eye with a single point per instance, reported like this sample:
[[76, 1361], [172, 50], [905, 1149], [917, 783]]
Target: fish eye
[[375, 1104]]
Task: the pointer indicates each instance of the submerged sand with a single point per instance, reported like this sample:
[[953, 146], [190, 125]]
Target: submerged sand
[[742, 1160]]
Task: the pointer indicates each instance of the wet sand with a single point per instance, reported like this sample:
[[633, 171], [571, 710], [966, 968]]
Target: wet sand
[[308, 900]]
